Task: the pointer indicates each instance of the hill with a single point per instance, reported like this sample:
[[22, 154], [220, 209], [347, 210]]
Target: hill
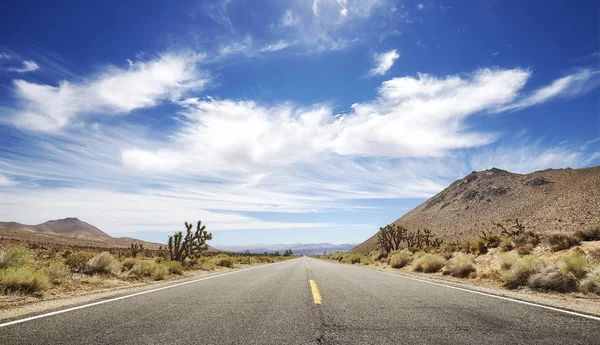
[[66, 232], [297, 248], [553, 200]]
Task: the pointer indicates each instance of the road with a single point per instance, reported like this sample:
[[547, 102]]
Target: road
[[275, 304]]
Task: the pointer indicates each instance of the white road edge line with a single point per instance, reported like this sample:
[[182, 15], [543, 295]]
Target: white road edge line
[[487, 294], [132, 295]]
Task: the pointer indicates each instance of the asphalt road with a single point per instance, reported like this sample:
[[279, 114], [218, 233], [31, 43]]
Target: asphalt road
[[275, 304]]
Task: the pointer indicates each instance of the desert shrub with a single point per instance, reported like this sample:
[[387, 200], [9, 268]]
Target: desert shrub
[[562, 241], [524, 249], [377, 255], [594, 254], [491, 239], [160, 272], [14, 258], [553, 278], [429, 263], [24, 279], [146, 268], [506, 244], [56, 271], [589, 234], [460, 266], [352, 259], [174, 267], [591, 282], [575, 263], [208, 265], [478, 247], [103, 263], [520, 271], [223, 260], [400, 259], [506, 260], [527, 238], [77, 260], [129, 263], [365, 260]]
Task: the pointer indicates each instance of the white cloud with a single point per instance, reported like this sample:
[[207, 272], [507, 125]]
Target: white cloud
[[5, 56], [420, 6], [5, 181], [315, 7], [28, 66], [384, 61], [277, 46], [575, 84], [113, 91]]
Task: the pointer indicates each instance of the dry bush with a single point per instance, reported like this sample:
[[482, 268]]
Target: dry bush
[[506, 260], [208, 265], [478, 247], [429, 263], [506, 244], [560, 241], [14, 258], [351, 258], [56, 271], [594, 254], [553, 278], [129, 263], [591, 282], [589, 234], [103, 263], [575, 263], [377, 255], [174, 267], [400, 259], [146, 268], [23, 279], [524, 249], [460, 266], [78, 260], [223, 260], [520, 271]]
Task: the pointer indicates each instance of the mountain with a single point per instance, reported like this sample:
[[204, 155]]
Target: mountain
[[68, 231], [297, 248], [553, 200]]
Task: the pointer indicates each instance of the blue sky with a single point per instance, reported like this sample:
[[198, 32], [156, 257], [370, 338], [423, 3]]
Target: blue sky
[[283, 121]]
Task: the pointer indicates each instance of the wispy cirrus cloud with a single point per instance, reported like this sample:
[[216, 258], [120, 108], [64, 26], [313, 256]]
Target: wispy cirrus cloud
[[383, 62], [114, 90], [28, 66]]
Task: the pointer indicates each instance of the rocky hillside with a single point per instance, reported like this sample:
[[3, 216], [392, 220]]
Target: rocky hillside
[[553, 200]]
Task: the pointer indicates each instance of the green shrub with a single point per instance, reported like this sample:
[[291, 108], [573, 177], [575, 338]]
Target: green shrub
[[23, 279], [553, 278], [401, 258], [365, 260], [78, 260], [460, 266], [14, 258], [103, 263], [591, 282], [562, 241], [174, 267], [478, 247], [575, 263], [160, 272], [353, 259], [429, 263], [520, 271], [208, 265], [147, 268], [506, 260], [223, 260], [589, 234]]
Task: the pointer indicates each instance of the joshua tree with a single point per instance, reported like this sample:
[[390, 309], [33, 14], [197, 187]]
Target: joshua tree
[[135, 249], [390, 237], [192, 245]]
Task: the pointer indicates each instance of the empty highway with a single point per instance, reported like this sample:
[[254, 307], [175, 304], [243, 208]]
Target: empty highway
[[306, 301]]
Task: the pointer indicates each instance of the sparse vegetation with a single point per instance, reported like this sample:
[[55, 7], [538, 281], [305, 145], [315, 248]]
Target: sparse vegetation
[[520, 271], [591, 233], [223, 260], [506, 260], [460, 266], [553, 278], [103, 263], [561, 241], [591, 282], [400, 259], [575, 263], [429, 263], [23, 279]]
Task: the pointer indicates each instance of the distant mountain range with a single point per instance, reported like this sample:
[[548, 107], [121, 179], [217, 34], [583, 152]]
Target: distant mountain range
[[297, 248], [547, 201]]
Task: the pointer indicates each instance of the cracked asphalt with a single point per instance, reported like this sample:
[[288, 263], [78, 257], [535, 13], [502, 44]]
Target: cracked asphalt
[[274, 304]]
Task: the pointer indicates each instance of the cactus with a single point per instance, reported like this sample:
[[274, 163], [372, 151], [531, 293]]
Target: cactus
[[135, 249], [192, 245]]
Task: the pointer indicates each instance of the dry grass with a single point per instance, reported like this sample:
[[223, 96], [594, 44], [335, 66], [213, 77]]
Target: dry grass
[[174, 267], [223, 260], [78, 260], [429, 263], [589, 234], [506, 260], [560, 241], [147, 268], [460, 266], [23, 279], [401, 258], [103, 263], [520, 271], [591, 282], [14, 257], [575, 263], [553, 278]]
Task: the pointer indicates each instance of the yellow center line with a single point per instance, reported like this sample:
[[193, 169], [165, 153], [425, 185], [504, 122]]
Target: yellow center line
[[315, 292]]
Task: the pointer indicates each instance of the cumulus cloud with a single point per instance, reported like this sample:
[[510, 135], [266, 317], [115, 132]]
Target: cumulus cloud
[[113, 91], [28, 66], [383, 62]]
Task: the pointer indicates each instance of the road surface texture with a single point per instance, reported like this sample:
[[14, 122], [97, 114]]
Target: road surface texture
[[277, 304]]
